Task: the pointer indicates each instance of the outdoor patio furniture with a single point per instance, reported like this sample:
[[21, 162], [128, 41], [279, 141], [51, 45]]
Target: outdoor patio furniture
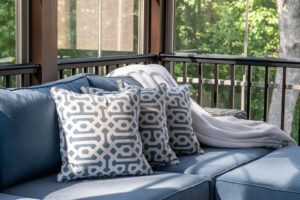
[[30, 159], [275, 176]]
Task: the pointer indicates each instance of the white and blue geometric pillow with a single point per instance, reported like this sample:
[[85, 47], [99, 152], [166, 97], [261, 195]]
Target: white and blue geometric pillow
[[99, 135], [182, 137], [152, 123]]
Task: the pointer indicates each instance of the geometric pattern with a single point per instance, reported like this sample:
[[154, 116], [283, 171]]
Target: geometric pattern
[[99, 134], [153, 125], [182, 137], [152, 122]]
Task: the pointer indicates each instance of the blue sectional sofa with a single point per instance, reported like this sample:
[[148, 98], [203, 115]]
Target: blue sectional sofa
[[30, 159]]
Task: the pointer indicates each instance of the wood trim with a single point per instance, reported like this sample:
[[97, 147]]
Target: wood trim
[[43, 39], [157, 26]]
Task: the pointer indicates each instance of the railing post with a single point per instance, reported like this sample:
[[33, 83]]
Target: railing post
[[97, 70], [266, 94], [232, 86], [170, 67], [74, 71], [8, 81], [283, 97], [249, 84], [184, 72], [106, 69], [216, 90], [61, 74], [200, 75]]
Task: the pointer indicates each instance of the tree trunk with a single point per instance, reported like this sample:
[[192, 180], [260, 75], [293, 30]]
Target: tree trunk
[[289, 29]]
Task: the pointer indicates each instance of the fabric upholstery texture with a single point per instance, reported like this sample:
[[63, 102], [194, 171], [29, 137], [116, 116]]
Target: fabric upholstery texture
[[275, 176], [152, 122], [100, 134], [157, 186], [29, 139], [110, 83], [182, 137], [13, 197], [215, 162]]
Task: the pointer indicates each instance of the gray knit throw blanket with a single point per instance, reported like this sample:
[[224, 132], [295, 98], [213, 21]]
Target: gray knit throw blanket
[[225, 132]]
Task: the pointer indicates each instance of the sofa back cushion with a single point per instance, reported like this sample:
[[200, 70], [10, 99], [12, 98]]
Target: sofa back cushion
[[29, 133], [109, 83]]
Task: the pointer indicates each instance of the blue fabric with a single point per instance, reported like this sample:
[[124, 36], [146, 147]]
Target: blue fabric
[[157, 186], [29, 139], [215, 162], [13, 197], [275, 176], [109, 83], [29, 133]]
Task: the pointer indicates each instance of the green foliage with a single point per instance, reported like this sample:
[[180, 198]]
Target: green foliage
[[7, 29], [218, 27]]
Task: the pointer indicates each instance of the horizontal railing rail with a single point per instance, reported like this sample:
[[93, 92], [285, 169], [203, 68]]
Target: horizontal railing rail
[[102, 65], [22, 72], [233, 61], [18, 75], [226, 82]]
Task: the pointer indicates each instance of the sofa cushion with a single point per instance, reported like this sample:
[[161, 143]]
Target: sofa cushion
[[158, 186], [100, 134], [214, 162], [29, 139], [178, 109], [152, 123], [274, 176], [13, 197], [109, 83]]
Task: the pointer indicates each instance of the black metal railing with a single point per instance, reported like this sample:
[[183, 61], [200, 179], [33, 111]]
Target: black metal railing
[[102, 65], [11, 74], [233, 61], [17, 74]]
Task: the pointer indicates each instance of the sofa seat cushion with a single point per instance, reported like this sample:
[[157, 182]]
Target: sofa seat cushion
[[160, 185], [215, 162], [13, 197], [274, 176]]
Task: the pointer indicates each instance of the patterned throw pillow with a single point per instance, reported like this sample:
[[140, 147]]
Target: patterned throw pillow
[[99, 134], [152, 123], [182, 137]]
